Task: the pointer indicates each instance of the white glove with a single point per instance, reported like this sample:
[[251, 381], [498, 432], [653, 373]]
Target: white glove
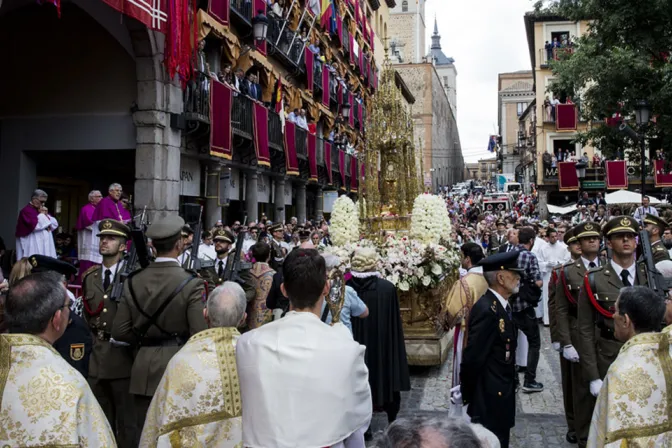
[[456, 395], [556, 347], [570, 353], [595, 387]]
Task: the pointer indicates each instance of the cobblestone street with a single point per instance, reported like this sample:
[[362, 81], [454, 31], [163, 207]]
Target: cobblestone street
[[540, 421]]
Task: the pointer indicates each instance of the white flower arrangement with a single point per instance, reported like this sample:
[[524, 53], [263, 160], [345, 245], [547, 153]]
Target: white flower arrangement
[[344, 226], [430, 222]]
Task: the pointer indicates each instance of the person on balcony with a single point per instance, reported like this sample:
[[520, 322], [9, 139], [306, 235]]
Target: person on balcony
[[226, 75], [292, 116], [549, 51], [301, 120], [238, 80]]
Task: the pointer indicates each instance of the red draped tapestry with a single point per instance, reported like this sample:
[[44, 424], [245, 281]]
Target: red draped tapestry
[[291, 161], [617, 174], [221, 101], [325, 86], [567, 177], [565, 117], [310, 61], [260, 129], [354, 184], [153, 13], [663, 177], [339, 28], [312, 156], [327, 162], [341, 167], [219, 9], [259, 5]]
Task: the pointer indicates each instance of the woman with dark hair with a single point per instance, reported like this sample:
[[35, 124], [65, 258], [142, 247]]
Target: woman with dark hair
[[261, 278]]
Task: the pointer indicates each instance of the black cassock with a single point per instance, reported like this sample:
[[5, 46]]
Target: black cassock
[[488, 366], [383, 336]]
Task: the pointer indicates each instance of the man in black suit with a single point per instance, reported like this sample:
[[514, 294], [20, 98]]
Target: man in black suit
[[488, 368], [498, 239], [512, 237]]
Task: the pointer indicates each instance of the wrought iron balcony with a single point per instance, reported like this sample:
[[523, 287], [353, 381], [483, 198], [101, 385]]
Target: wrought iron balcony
[[317, 78], [275, 139], [391, 3], [375, 4], [553, 54], [197, 103], [241, 116], [285, 44], [301, 136], [346, 41], [319, 151], [334, 159], [243, 10], [348, 164]]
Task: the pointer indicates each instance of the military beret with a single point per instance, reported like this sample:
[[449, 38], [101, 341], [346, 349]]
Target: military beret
[[586, 230], [304, 234], [165, 227], [569, 237], [187, 230], [275, 227], [42, 263], [506, 261], [621, 224], [656, 221], [224, 235], [113, 228]]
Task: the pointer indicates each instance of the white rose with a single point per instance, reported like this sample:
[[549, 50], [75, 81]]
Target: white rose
[[436, 269], [404, 286]]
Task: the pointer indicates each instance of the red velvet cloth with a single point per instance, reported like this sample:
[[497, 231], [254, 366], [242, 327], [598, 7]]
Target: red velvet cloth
[[312, 156], [260, 129], [565, 117], [567, 177], [354, 181], [341, 167], [291, 161], [259, 5], [327, 162], [309, 61], [219, 10], [153, 14], [617, 174], [325, 87], [339, 28], [221, 131], [663, 176]]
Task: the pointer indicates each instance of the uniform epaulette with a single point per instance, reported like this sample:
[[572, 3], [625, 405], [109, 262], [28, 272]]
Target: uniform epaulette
[[90, 270], [595, 269], [493, 307], [660, 248]]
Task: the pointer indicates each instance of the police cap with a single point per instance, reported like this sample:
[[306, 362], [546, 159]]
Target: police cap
[[165, 227], [506, 261], [274, 227], [656, 221], [224, 235], [42, 263], [621, 224], [113, 228], [586, 230]]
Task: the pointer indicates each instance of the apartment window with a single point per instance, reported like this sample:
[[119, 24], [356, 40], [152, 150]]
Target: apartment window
[[520, 108], [404, 6]]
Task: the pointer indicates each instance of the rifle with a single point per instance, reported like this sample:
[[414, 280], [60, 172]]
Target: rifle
[[233, 269], [655, 279], [132, 258], [194, 261]]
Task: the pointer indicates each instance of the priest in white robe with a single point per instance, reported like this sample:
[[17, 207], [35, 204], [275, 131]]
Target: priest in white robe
[[86, 252], [302, 382], [34, 228], [183, 411], [43, 400], [632, 409], [550, 255]]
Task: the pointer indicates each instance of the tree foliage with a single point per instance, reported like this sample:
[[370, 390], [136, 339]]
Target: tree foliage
[[622, 58]]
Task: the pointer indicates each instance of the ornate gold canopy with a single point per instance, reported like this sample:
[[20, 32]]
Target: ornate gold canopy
[[391, 177]]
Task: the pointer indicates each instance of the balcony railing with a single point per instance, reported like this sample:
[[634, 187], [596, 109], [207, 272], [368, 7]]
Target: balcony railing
[[551, 114], [553, 54], [348, 164], [285, 41], [346, 42], [243, 9], [301, 136], [275, 139], [334, 159], [319, 150], [317, 78], [197, 99], [241, 116]]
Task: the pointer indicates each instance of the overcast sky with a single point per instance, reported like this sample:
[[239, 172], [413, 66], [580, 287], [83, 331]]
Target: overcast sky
[[485, 37]]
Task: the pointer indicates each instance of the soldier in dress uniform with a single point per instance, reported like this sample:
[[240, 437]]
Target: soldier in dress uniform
[[187, 241], [75, 344], [213, 273], [111, 361], [279, 248], [160, 308], [488, 369], [597, 345], [579, 402], [499, 238], [655, 227]]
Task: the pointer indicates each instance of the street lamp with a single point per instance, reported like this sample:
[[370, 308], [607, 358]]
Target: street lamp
[[260, 26], [642, 115]]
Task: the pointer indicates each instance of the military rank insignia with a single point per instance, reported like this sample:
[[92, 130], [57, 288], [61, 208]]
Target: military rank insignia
[[76, 352], [501, 325]]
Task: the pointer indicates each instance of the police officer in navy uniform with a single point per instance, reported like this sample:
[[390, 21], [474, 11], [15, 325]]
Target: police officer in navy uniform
[[76, 343], [488, 369]]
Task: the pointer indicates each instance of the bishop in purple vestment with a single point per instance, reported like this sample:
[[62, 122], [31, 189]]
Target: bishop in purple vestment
[[33, 228], [110, 207], [86, 252]]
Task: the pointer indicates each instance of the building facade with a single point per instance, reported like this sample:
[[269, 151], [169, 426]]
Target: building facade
[[407, 31], [487, 168], [445, 67], [113, 113], [515, 93]]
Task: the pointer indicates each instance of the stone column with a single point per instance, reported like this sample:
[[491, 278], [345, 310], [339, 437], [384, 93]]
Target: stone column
[[301, 202], [251, 195], [319, 203], [279, 200], [212, 208]]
